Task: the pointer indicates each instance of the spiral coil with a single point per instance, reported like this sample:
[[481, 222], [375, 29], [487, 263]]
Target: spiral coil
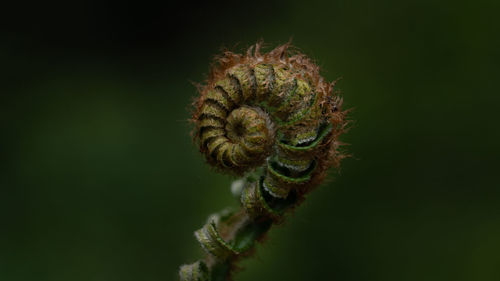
[[272, 119]]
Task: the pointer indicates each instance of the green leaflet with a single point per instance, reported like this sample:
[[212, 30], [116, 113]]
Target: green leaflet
[[211, 241], [197, 271], [244, 240], [325, 129]]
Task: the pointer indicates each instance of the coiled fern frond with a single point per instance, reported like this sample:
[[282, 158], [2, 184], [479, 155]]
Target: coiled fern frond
[[271, 119]]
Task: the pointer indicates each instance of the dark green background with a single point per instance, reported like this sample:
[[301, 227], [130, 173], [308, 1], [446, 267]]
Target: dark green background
[[99, 179]]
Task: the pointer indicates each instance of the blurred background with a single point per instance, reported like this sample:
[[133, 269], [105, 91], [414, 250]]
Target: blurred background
[[99, 179]]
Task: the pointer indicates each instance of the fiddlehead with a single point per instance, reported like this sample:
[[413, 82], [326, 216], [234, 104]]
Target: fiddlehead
[[272, 119]]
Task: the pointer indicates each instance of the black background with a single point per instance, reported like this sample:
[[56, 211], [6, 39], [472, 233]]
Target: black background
[[99, 179]]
